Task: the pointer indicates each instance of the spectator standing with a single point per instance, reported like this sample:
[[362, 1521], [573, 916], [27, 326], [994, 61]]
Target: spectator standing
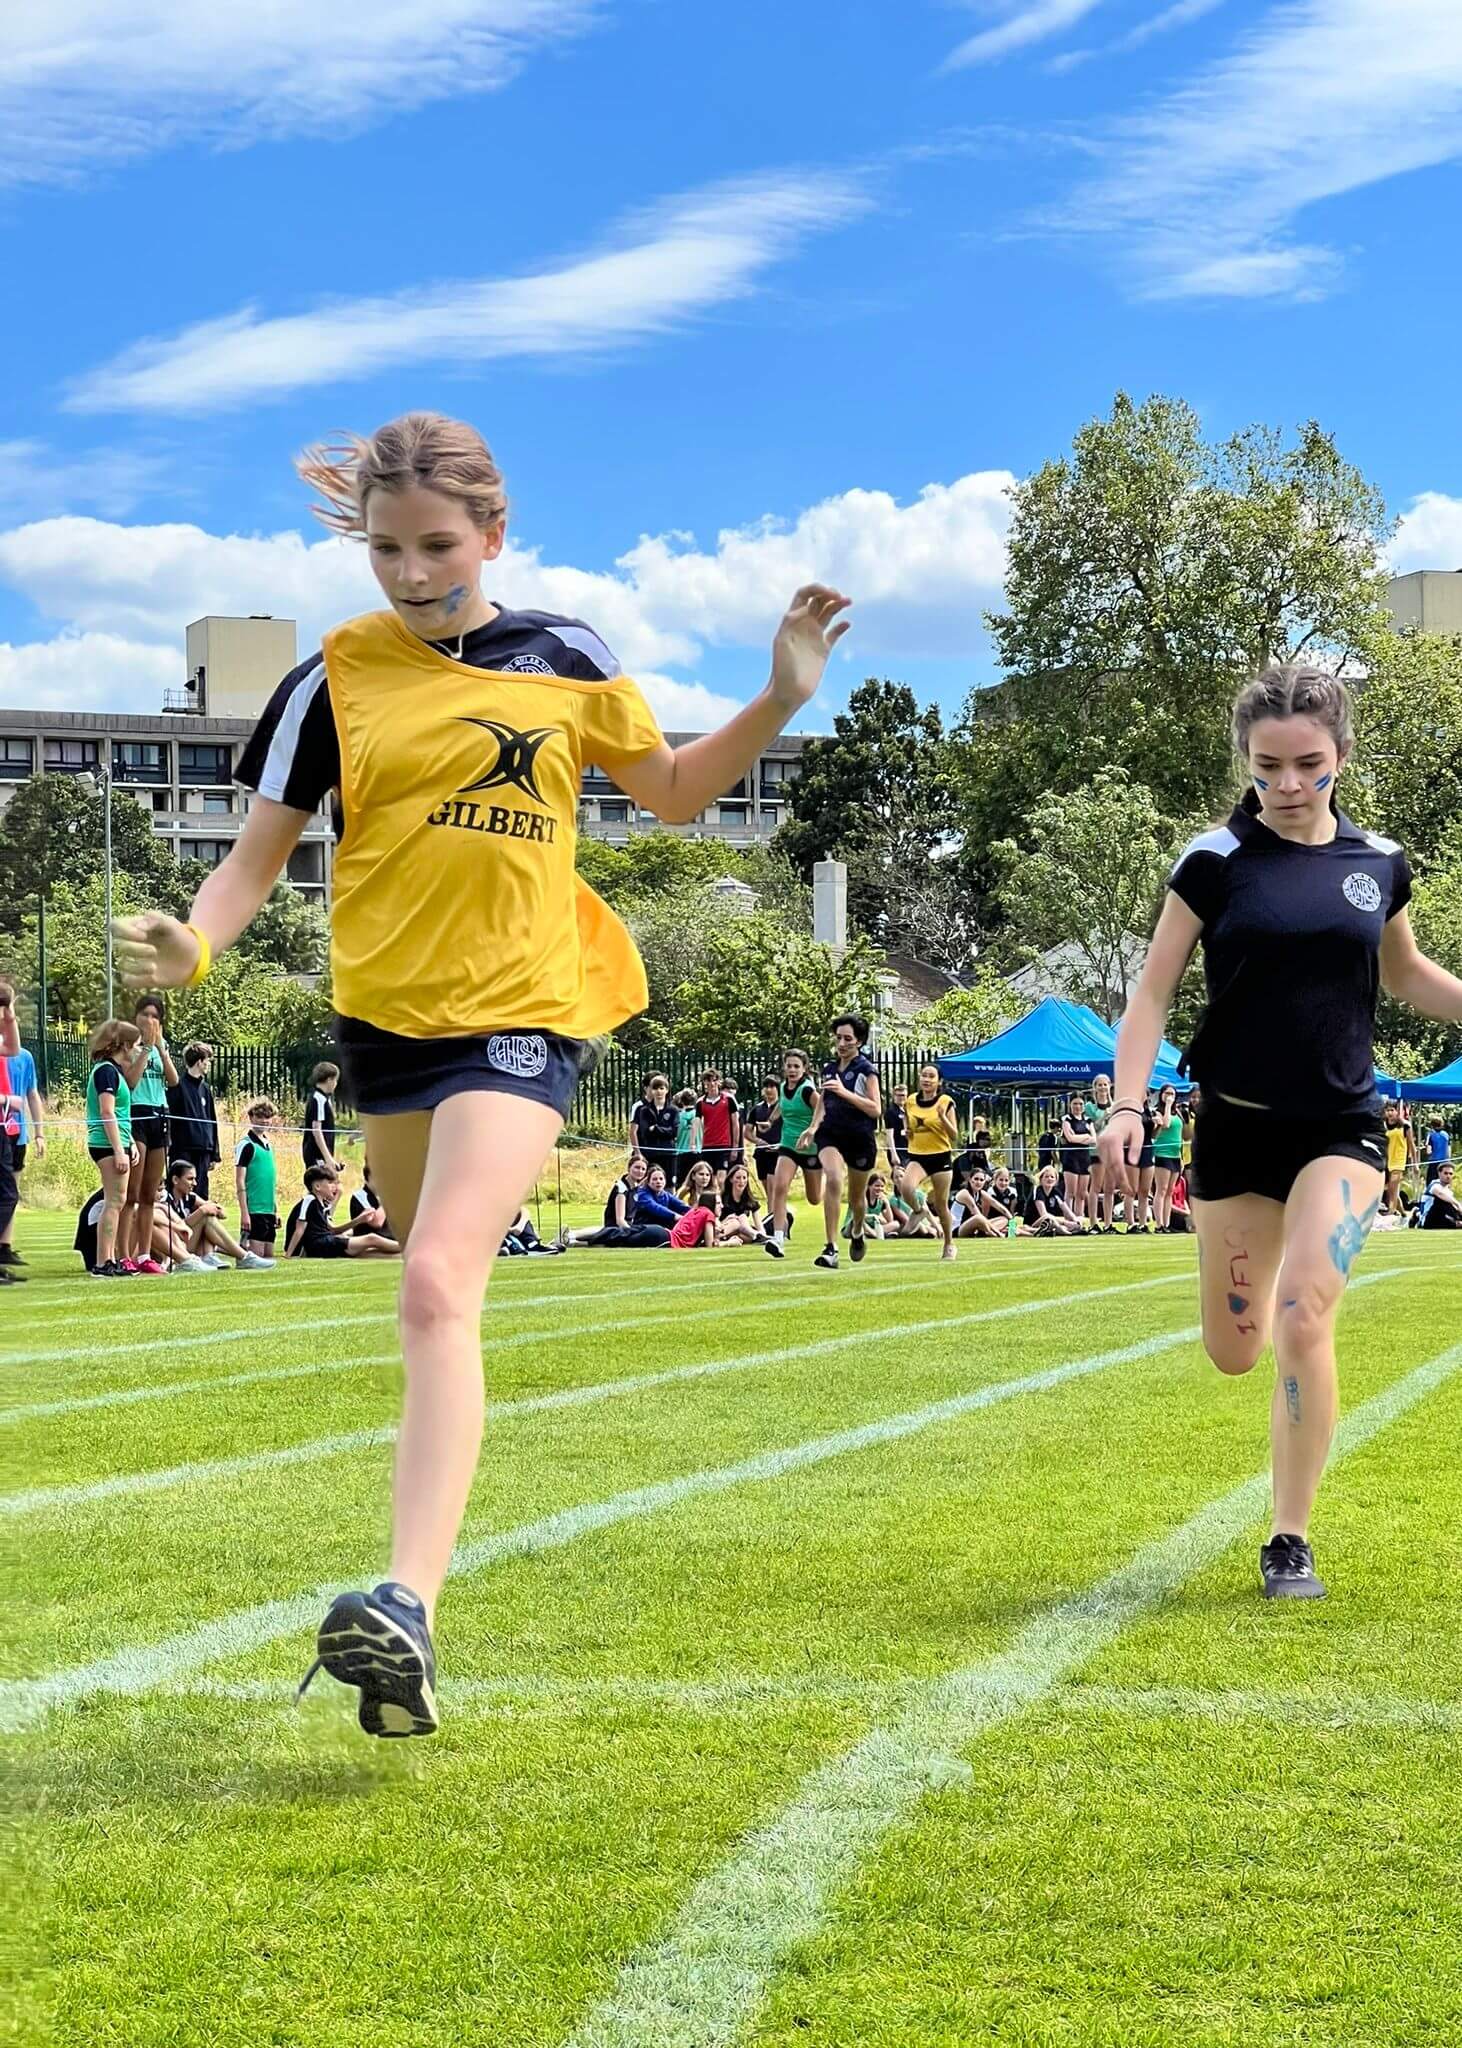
[[654, 1125], [764, 1127], [117, 1054], [1167, 1153], [896, 1124], [719, 1115], [318, 1146], [687, 1136], [194, 1115], [1048, 1144], [21, 1125], [1076, 1136], [256, 1180], [155, 1075], [1438, 1146], [1101, 1187], [1396, 1154]]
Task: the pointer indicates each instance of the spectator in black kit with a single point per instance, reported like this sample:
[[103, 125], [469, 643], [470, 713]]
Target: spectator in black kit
[[739, 1208], [1048, 1213], [764, 1128], [193, 1115], [319, 1134], [366, 1212], [623, 1229], [312, 1234], [1441, 1206], [194, 1228], [653, 1124]]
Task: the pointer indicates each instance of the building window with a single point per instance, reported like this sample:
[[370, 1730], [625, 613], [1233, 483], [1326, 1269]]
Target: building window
[[73, 757], [307, 862], [140, 761], [771, 817], [218, 804], [734, 814], [201, 764], [209, 851], [613, 814], [17, 759], [777, 776]]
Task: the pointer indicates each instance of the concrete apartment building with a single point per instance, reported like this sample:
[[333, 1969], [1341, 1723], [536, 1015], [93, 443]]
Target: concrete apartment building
[[1426, 601], [178, 763]]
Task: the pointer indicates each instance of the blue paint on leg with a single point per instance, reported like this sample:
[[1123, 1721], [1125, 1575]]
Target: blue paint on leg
[[1237, 1304], [1292, 1399], [1347, 1239]]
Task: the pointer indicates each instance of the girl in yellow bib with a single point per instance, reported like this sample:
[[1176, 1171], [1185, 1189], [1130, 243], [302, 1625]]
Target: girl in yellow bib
[[933, 1135], [472, 968]]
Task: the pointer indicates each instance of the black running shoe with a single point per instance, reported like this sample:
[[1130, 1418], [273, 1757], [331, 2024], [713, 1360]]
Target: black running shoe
[[9, 1256], [828, 1257], [1288, 1567], [857, 1248], [773, 1245], [9, 1279], [380, 1643]]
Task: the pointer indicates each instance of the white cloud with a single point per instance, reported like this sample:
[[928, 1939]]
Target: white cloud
[[84, 82], [1428, 535], [88, 672], [1320, 98], [1179, 15], [664, 266], [920, 575], [1031, 25], [36, 481]]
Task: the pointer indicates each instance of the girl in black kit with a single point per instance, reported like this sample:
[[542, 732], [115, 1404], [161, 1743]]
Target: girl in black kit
[[1301, 915]]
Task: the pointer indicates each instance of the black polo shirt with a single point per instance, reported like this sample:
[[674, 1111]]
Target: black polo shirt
[[1291, 952], [838, 1114]]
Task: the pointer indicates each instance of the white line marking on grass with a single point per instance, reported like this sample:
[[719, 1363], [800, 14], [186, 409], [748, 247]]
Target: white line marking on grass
[[119, 1397], [1305, 1710], [142, 1667], [83, 1492], [700, 1984], [747, 1692]]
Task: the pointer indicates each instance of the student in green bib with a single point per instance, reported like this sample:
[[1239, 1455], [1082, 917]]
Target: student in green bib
[[798, 1103], [155, 1076], [255, 1180], [1102, 1185], [116, 1060], [1167, 1154]]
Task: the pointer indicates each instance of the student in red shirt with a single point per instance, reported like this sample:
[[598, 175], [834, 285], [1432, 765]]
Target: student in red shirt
[[720, 1121], [696, 1227]]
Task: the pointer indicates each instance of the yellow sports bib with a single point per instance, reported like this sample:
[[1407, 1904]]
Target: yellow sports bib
[[456, 906]]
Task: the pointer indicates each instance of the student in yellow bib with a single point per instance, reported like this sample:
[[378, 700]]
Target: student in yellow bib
[[933, 1134], [472, 969]]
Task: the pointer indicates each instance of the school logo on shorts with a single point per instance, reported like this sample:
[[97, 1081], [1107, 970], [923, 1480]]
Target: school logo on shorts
[[517, 756], [523, 1053], [1364, 891], [527, 665]]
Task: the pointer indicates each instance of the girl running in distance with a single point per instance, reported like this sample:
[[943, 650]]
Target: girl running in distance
[[933, 1133], [797, 1105], [1301, 916], [472, 968]]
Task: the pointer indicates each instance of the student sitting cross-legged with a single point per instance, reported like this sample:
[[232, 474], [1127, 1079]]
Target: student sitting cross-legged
[[193, 1229], [311, 1234]]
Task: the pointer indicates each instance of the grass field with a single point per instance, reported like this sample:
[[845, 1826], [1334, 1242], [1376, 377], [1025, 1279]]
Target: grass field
[[872, 1658]]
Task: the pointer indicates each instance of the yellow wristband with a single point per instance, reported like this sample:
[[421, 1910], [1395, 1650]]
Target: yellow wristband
[[205, 957]]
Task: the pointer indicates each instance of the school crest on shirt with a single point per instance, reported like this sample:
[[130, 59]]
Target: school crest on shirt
[[527, 665], [517, 755], [1362, 891], [522, 1053]]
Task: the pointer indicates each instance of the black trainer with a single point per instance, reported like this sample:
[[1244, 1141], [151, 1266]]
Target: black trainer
[[380, 1643], [857, 1247], [771, 1243], [828, 1257], [1288, 1567], [9, 1279], [9, 1256]]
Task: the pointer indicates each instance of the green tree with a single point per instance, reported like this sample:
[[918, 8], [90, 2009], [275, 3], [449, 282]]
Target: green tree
[[874, 794], [245, 1002], [75, 946], [1407, 777], [962, 1018], [1150, 573], [1090, 883], [652, 864], [288, 932], [53, 830], [759, 984]]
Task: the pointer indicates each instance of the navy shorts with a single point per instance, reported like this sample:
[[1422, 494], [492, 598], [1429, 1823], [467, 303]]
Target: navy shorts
[[263, 1229], [389, 1075], [859, 1149], [1239, 1151], [149, 1128]]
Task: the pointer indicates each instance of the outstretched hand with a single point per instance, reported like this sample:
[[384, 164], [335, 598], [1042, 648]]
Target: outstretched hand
[[804, 640], [1120, 1143], [154, 950]]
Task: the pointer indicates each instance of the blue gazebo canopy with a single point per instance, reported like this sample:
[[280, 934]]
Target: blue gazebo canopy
[[1059, 1045], [1443, 1086]]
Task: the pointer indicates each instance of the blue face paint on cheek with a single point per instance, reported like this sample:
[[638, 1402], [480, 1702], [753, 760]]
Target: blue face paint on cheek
[[1323, 781], [1260, 783], [455, 598]]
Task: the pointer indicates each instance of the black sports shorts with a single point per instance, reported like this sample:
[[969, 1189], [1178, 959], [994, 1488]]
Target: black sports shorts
[[263, 1229], [390, 1075], [1075, 1159], [859, 1149], [149, 1128], [1239, 1151], [932, 1162], [764, 1159]]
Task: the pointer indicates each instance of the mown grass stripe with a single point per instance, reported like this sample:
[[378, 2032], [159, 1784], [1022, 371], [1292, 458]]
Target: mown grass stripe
[[79, 1493], [699, 1985], [118, 1397], [1361, 1712], [143, 1667]]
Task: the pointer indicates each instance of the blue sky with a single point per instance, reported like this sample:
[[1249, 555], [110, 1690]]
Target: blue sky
[[738, 295]]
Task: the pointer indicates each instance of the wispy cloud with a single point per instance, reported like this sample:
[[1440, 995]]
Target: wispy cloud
[[38, 481], [1034, 24], [1321, 98], [89, 82], [1179, 15], [662, 269]]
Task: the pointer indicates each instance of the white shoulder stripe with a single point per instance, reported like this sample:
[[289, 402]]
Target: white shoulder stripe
[[279, 761], [1220, 841], [583, 641], [1382, 845]]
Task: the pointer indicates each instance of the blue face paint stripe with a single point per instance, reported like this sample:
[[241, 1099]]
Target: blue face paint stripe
[[1260, 783], [1324, 781]]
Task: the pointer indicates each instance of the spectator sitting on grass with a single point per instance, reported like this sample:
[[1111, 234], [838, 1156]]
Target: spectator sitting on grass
[[193, 1114], [523, 1241], [882, 1220], [910, 1218], [366, 1212], [655, 1203], [311, 1234], [699, 1180], [1048, 1213], [194, 1229], [623, 1228], [1002, 1203], [739, 1208], [697, 1227], [1441, 1206], [970, 1210]]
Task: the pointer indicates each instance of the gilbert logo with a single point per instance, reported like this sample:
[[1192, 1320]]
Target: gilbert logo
[[516, 758], [521, 1053]]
